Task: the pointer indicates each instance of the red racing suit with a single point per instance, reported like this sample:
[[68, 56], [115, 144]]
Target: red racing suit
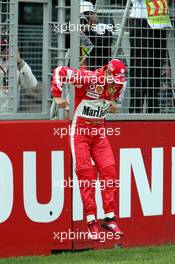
[[93, 96]]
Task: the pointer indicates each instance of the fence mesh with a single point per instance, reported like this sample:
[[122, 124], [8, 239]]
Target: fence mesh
[[112, 29], [123, 29], [30, 43], [7, 58], [23, 90]]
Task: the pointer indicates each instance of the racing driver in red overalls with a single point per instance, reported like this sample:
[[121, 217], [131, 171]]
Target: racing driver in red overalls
[[95, 95]]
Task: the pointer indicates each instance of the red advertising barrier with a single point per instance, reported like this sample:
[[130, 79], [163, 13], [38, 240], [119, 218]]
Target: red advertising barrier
[[35, 207], [37, 211], [145, 164]]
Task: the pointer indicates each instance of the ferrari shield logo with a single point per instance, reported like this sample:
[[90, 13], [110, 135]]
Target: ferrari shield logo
[[111, 90]]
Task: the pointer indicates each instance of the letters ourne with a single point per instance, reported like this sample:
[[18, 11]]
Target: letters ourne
[[131, 159]]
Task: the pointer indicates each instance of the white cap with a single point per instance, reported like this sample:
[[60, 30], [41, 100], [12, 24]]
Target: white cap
[[86, 6]]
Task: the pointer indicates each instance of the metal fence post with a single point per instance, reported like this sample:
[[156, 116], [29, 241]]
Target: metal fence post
[[61, 45], [47, 15], [74, 46]]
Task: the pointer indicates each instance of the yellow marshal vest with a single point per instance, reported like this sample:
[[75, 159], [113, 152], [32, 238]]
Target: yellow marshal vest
[[157, 13]]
